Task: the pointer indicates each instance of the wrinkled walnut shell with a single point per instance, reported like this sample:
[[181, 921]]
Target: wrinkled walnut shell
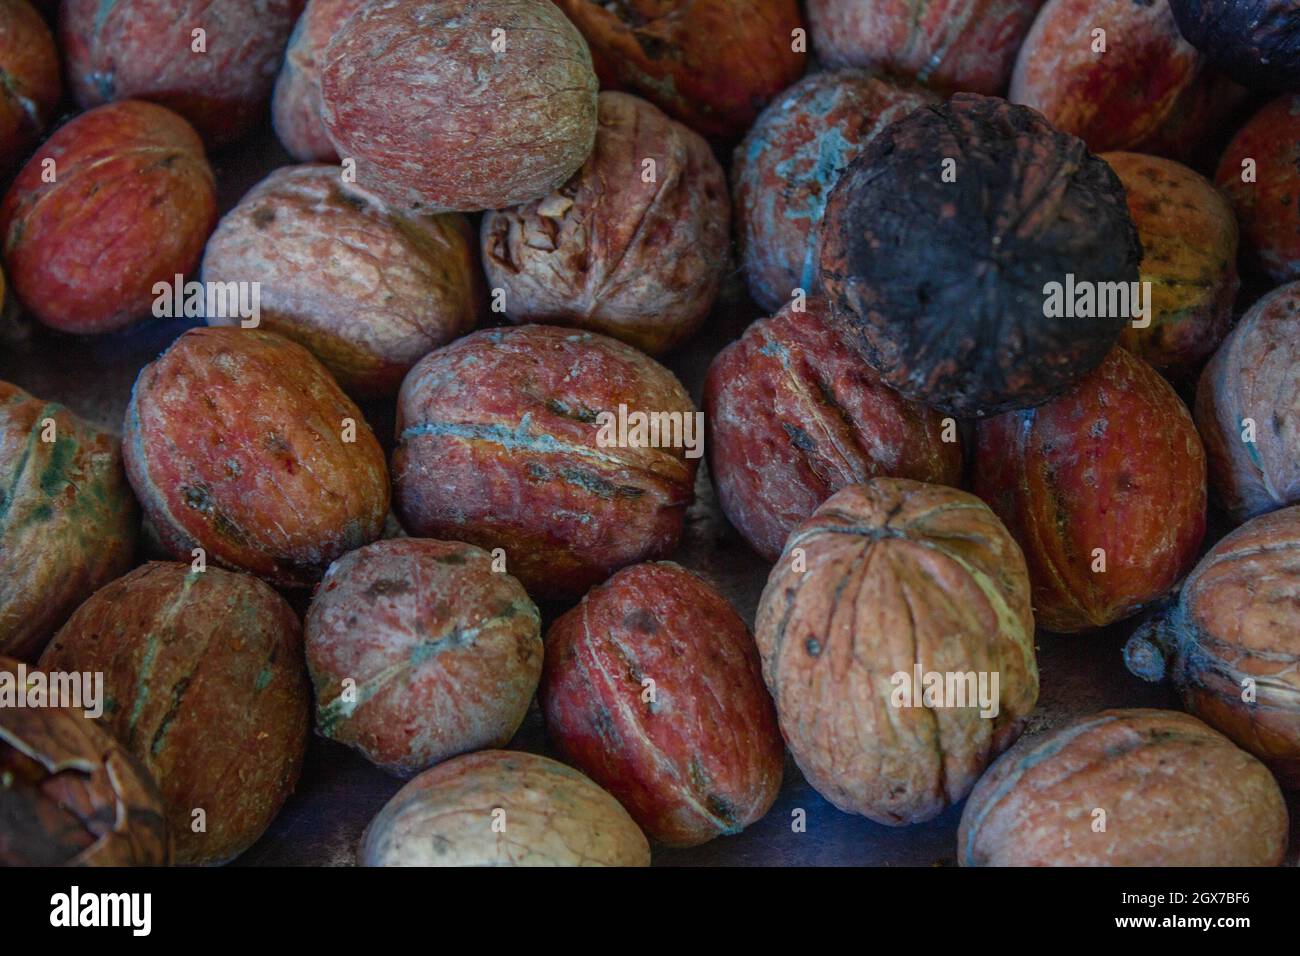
[[203, 683], [695, 753], [612, 252], [70, 795], [443, 651], [884, 576], [503, 808], [1231, 645], [1125, 788]]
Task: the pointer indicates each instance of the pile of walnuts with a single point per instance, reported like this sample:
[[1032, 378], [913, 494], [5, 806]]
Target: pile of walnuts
[[415, 459]]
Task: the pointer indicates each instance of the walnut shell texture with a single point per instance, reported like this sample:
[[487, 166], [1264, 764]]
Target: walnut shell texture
[[1231, 646], [440, 121], [950, 44], [884, 576], [791, 158], [72, 795], [236, 441], [503, 808], [367, 288], [68, 520], [1248, 409], [954, 315], [698, 756], [1112, 98], [146, 49], [794, 415], [633, 251], [444, 652], [1171, 791], [132, 203], [1103, 488], [500, 445], [205, 685]]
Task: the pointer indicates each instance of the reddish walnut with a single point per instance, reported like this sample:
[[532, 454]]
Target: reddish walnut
[[1231, 645], [459, 105], [502, 808], [788, 163], [296, 106], [70, 795], [68, 520], [794, 415], [950, 45], [1168, 789], [712, 64], [367, 288], [204, 684], [634, 245], [146, 49], [1189, 255], [537, 440], [30, 92], [1112, 90], [443, 653], [653, 689], [1260, 172], [131, 204], [1248, 409], [887, 585], [1202, 119], [1104, 489], [238, 442]]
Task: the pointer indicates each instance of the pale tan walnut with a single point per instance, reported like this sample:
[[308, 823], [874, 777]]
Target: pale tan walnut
[[1125, 788], [634, 245], [503, 808], [885, 576], [369, 289]]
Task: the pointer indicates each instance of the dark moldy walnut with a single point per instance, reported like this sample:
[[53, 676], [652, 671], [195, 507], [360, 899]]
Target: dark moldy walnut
[[1170, 791], [296, 104], [438, 120], [498, 444], [29, 95], [145, 49], [204, 684], [1113, 99], [790, 159], [367, 288], [980, 204], [68, 520], [1103, 488], [554, 817], [630, 250], [444, 652], [1248, 409], [237, 441], [794, 415], [1189, 255], [1257, 42], [694, 754], [885, 576], [951, 45], [1260, 172], [132, 203], [70, 795], [712, 64], [1231, 645]]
